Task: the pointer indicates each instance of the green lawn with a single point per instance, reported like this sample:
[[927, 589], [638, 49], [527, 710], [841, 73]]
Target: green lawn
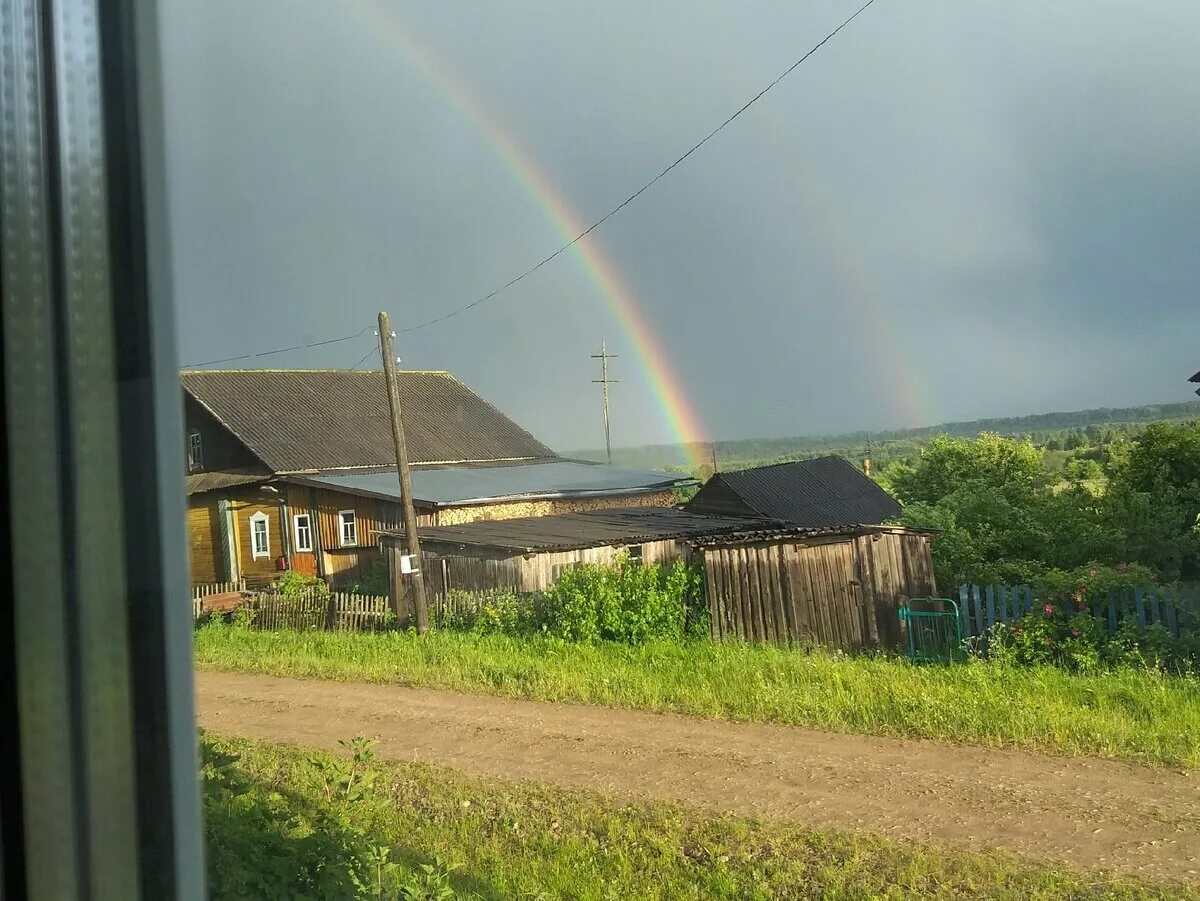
[[288, 826], [1131, 714]]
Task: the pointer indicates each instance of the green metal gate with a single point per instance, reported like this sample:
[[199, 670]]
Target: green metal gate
[[934, 629]]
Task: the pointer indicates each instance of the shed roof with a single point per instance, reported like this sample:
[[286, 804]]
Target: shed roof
[[306, 420], [210, 481], [826, 491], [594, 528], [1195, 378], [447, 486]]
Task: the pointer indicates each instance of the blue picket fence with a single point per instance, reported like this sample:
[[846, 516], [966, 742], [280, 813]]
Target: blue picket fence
[[1175, 607]]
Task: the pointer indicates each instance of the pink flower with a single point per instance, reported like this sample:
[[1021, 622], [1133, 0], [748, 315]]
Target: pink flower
[[1048, 610]]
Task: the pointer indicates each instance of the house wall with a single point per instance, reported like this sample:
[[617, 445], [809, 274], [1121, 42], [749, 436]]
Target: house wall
[[204, 539], [448, 570], [219, 448], [244, 505], [341, 563], [842, 592], [456, 516]]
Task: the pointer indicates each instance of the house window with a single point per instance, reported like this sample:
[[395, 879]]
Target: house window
[[195, 452], [349, 527], [260, 535], [302, 528], [635, 553]]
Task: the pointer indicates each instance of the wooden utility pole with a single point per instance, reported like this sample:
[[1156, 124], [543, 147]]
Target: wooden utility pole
[[604, 356], [410, 513]]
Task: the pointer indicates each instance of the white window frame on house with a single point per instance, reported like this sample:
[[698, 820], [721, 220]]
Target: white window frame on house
[[255, 553], [305, 546], [353, 522], [195, 451]]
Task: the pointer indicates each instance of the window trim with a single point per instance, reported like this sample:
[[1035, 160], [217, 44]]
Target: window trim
[[296, 543], [255, 553], [342, 528], [195, 460]]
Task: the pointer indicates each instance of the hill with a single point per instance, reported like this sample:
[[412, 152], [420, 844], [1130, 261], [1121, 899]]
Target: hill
[[1042, 428]]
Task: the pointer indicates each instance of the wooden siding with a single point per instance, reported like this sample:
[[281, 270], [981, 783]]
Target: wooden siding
[[219, 448], [715, 496], [204, 539], [264, 568], [447, 572], [841, 592]]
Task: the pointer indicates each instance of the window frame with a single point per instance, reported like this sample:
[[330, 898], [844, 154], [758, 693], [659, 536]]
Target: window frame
[[195, 451], [353, 542], [265, 519], [297, 545]]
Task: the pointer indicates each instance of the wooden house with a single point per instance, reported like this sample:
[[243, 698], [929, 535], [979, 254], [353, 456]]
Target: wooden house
[[820, 493], [765, 581], [295, 469]]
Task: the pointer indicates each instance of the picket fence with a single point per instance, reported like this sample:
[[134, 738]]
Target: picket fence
[[1175, 607], [340, 611]]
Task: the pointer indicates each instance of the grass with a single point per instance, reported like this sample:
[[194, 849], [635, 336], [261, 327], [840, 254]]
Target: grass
[[1128, 714], [524, 840]]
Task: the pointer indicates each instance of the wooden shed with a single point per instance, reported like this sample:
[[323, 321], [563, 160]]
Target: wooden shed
[[838, 587], [528, 554], [765, 581]]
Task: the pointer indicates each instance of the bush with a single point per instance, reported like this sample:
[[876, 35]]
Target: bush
[[292, 584], [1063, 631], [627, 602]]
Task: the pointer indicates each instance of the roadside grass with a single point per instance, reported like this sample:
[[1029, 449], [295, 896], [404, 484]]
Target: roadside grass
[[506, 840], [1138, 715]]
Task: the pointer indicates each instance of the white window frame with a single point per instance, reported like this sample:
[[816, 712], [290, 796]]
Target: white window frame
[[255, 553], [196, 456], [299, 546], [353, 542]]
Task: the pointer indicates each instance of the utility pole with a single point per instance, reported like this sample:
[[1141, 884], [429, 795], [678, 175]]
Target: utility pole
[[604, 356], [410, 514]]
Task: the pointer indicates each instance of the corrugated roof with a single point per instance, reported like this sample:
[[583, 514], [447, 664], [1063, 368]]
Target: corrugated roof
[[827, 491], [594, 528], [1195, 378], [210, 481], [323, 419], [451, 485]]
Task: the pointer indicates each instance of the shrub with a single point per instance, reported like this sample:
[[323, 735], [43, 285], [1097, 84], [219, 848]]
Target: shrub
[[292, 584], [628, 602]]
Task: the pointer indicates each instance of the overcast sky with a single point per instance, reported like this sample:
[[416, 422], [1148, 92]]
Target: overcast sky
[[952, 210]]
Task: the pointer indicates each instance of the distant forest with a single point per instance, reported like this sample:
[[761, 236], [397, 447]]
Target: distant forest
[[1053, 431]]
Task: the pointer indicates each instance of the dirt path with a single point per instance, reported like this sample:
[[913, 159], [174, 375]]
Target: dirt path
[[1090, 813]]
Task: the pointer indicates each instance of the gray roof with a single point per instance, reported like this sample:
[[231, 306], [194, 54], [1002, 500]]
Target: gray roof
[[210, 481], [594, 528], [459, 485], [827, 491], [297, 420]]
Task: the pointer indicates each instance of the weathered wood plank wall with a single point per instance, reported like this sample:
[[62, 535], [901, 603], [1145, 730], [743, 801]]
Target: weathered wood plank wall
[[841, 592]]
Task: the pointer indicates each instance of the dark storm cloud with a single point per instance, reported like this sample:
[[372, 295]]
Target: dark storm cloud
[[953, 210]]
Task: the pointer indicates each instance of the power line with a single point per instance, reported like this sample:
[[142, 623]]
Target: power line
[[280, 350], [636, 194], [374, 348], [583, 234]]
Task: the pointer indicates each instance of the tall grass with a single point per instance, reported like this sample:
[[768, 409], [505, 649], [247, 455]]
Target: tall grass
[[519, 840], [1132, 714]]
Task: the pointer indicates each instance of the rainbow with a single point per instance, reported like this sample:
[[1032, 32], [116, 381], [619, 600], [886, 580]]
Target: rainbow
[[665, 386]]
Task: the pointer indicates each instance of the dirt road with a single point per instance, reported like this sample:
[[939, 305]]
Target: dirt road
[[1090, 813]]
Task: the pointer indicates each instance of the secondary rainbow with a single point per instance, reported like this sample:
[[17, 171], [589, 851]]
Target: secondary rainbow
[[679, 414]]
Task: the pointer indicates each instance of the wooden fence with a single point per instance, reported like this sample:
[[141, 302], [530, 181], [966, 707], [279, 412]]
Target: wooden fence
[[338, 611], [203, 590], [1175, 607]]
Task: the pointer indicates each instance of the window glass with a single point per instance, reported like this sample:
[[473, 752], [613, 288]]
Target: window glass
[[195, 452], [349, 527], [303, 531], [260, 536]]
